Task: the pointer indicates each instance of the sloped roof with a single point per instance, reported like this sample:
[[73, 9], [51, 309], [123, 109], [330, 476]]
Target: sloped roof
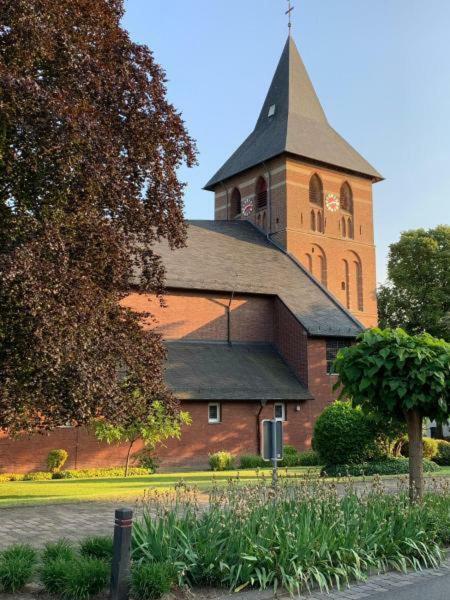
[[299, 126], [211, 371], [236, 256]]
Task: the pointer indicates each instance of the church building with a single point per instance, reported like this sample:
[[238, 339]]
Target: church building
[[261, 298]]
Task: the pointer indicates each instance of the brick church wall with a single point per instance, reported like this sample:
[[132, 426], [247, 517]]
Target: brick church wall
[[203, 316], [194, 316]]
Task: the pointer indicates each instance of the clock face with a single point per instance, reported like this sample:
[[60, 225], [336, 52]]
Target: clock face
[[332, 202], [246, 206]]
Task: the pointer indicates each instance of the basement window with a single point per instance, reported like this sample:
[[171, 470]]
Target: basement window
[[333, 347], [214, 412]]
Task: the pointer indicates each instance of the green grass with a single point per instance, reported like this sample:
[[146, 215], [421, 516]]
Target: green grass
[[17, 493]]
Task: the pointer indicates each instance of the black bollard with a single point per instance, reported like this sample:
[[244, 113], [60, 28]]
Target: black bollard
[[120, 568]]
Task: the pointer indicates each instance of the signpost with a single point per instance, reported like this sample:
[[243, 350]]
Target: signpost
[[273, 444]]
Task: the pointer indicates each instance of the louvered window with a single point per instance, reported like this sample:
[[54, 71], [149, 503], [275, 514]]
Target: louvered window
[[261, 193], [316, 190]]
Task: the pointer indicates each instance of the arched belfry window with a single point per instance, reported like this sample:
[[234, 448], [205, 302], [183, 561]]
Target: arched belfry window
[[343, 227], [261, 193], [235, 204], [346, 198], [316, 190]]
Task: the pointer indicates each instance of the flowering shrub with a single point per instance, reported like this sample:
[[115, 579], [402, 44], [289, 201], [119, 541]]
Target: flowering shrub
[[298, 534]]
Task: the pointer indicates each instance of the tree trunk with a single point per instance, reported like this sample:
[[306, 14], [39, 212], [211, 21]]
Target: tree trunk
[[127, 462], [414, 421]]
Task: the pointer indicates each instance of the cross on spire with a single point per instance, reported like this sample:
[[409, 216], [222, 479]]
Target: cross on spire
[[289, 12]]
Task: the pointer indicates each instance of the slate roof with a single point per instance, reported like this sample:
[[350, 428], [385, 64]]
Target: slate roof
[[211, 371], [236, 256], [299, 126]]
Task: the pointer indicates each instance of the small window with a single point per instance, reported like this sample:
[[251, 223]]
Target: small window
[[214, 412], [271, 110], [333, 347], [279, 411]]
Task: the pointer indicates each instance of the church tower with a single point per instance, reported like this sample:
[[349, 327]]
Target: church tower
[[300, 182]]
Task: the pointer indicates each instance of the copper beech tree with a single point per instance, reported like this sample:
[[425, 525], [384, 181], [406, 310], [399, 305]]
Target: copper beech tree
[[89, 152]]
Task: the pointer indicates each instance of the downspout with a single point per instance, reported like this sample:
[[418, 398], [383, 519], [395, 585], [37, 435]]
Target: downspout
[[258, 427]]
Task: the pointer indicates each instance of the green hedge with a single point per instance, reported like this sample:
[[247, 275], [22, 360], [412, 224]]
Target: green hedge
[[388, 466], [73, 474], [253, 461]]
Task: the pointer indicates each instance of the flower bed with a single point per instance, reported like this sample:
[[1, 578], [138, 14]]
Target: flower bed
[[296, 536]]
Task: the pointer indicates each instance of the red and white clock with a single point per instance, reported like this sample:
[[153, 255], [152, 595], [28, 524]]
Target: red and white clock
[[332, 202], [246, 206]]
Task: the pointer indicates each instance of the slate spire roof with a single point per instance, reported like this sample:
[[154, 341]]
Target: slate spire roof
[[297, 126]]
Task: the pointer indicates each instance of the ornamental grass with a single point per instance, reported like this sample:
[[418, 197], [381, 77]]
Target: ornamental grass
[[296, 536]]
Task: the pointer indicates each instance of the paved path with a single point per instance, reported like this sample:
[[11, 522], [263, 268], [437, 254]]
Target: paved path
[[37, 525]]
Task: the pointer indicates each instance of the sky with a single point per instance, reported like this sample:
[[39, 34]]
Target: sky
[[381, 69]]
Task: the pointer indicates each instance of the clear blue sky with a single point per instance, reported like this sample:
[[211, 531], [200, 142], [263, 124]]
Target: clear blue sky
[[381, 69]]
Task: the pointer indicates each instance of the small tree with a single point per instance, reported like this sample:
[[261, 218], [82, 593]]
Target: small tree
[[155, 427], [398, 375]]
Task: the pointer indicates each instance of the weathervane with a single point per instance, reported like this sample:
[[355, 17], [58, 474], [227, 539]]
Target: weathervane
[[288, 12]]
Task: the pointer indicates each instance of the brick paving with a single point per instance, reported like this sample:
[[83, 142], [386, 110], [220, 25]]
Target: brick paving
[[37, 525]]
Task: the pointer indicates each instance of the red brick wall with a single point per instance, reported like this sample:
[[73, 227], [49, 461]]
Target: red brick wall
[[29, 453], [290, 340], [203, 316], [237, 433]]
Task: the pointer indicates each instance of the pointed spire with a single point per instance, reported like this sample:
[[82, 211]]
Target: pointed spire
[[292, 120]]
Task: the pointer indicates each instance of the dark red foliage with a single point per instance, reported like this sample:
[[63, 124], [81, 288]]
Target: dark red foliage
[[89, 152]]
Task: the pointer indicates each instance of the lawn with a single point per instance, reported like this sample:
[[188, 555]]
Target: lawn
[[71, 490], [16, 493]]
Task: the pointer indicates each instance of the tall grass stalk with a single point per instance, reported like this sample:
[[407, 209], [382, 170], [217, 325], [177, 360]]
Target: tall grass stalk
[[300, 535]]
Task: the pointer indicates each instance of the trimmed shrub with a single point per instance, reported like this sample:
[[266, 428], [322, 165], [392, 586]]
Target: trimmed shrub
[[146, 460], [105, 473], [76, 579], [252, 461], [98, 546], [344, 434], [16, 567], [443, 454], [430, 447], [150, 581], [56, 459], [387, 466], [60, 550], [221, 461], [290, 457], [308, 458]]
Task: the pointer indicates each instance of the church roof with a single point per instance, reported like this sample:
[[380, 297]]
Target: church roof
[[298, 126], [212, 371], [236, 256]]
